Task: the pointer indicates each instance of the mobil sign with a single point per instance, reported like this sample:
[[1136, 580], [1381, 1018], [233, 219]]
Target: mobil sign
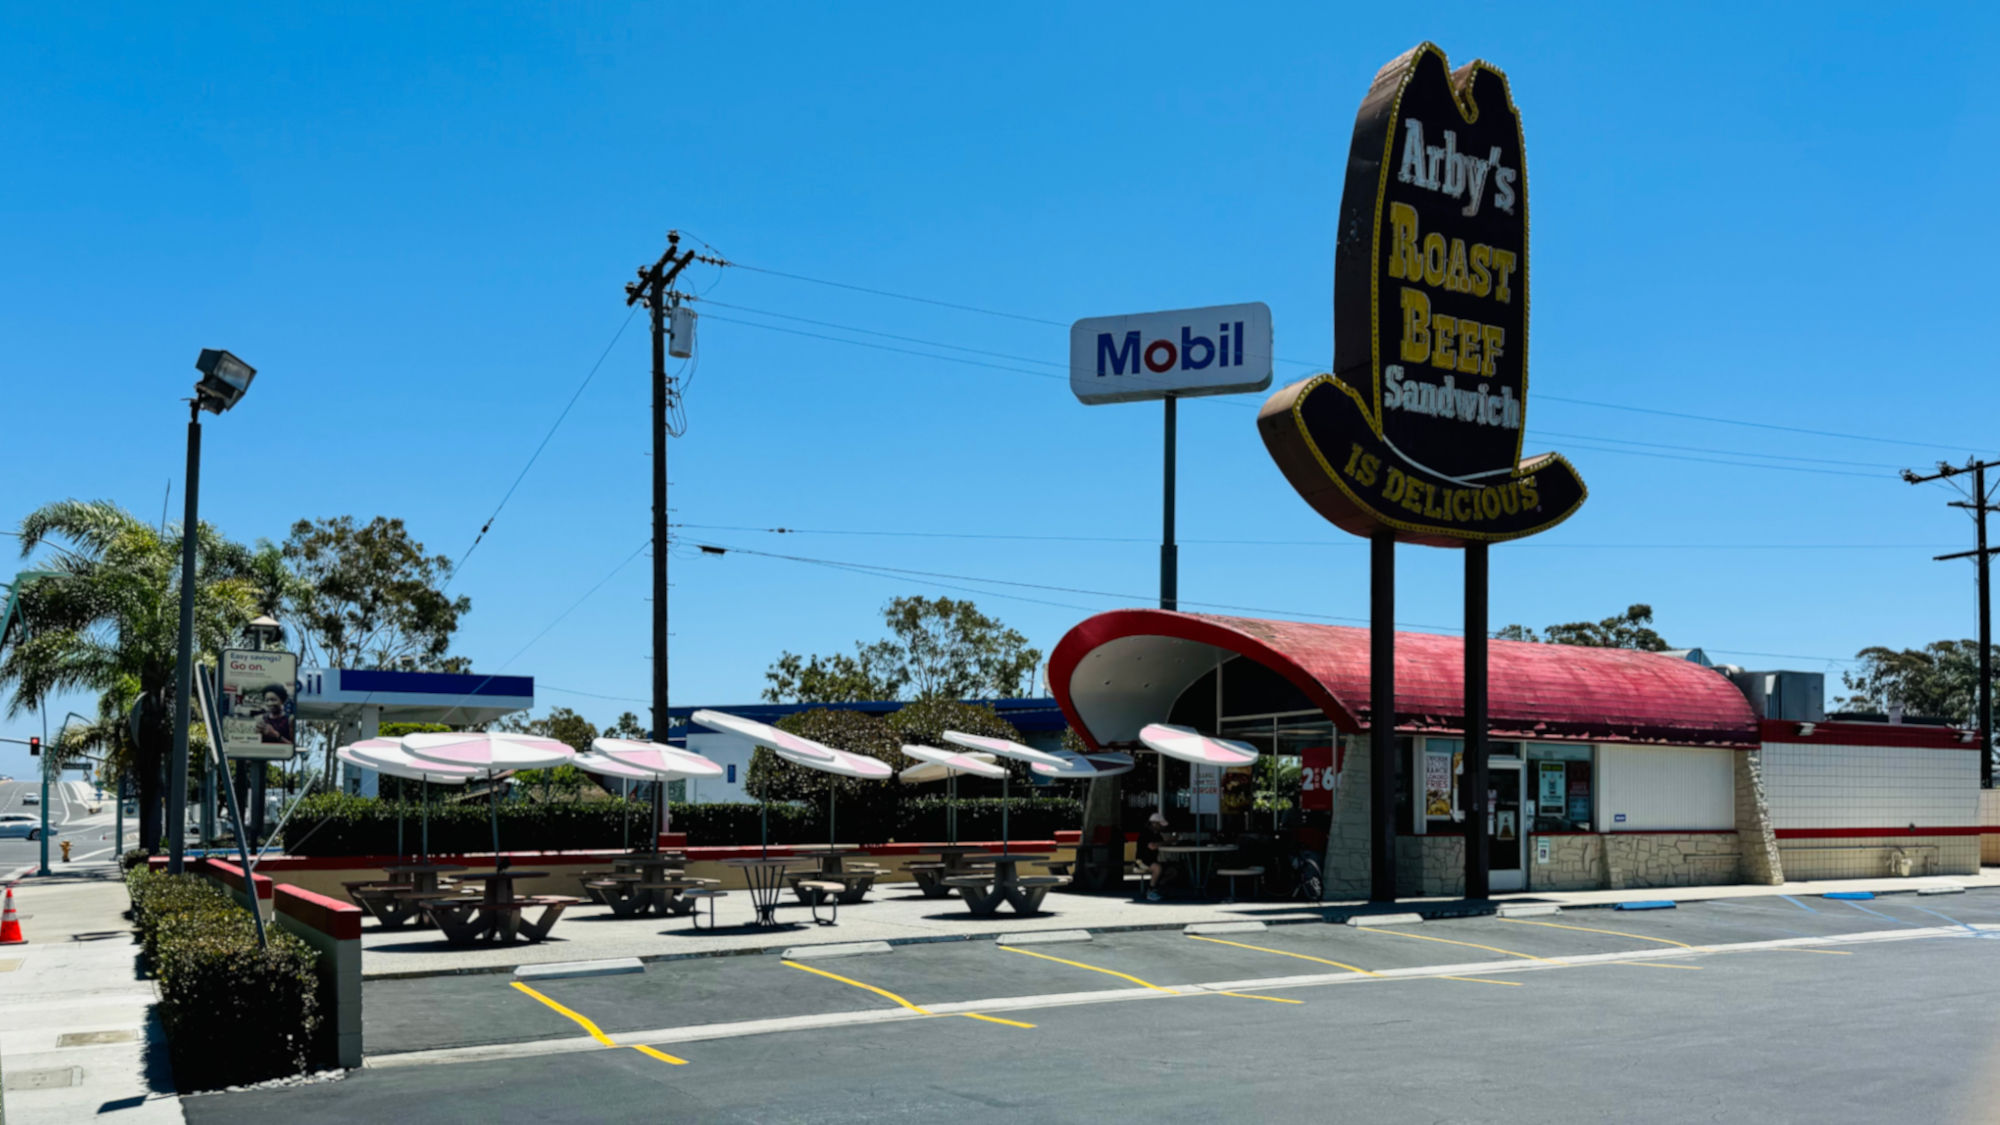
[[1218, 350]]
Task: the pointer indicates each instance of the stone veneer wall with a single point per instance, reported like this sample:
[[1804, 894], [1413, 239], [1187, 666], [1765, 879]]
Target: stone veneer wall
[[1762, 862], [1430, 865], [1670, 859], [1345, 870], [1576, 863], [1873, 857]]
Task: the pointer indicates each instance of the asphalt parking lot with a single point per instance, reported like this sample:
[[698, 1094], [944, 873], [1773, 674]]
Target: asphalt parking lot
[[1876, 1009]]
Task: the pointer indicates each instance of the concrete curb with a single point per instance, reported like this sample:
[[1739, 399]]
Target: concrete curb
[[1528, 909], [1360, 920], [836, 949], [557, 970], [1043, 937], [1199, 928]]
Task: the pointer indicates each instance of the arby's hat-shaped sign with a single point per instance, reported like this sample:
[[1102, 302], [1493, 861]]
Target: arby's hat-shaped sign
[[1419, 427]]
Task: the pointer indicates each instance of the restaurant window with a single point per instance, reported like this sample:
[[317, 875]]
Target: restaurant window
[[1561, 782]]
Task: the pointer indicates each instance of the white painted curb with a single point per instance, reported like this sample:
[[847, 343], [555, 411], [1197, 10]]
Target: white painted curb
[[841, 949], [1528, 909], [1223, 928], [559, 969], [1951, 889], [1042, 937], [1385, 920]]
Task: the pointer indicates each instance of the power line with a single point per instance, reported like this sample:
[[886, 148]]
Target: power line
[[1344, 543], [879, 571], [897, 296], [536, 455]]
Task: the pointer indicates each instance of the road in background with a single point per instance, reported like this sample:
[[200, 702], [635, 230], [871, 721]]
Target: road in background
[[70, 818]]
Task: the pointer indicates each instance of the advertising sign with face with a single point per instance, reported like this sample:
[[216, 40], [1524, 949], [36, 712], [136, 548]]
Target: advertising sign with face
[[1419, 427], [258, 704]]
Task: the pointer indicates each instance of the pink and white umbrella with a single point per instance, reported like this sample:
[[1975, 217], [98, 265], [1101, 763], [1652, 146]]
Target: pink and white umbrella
[[662, 763], [385, 756], [933, 763], [491, 754], [1082, 767], [1005, 749], [786, 745], [1196, 749]]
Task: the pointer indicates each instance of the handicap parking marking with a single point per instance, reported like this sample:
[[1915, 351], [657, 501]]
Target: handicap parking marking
[[1797, 903], [1946, 917], [595, 1032], [1877, 913], [899, 1000]]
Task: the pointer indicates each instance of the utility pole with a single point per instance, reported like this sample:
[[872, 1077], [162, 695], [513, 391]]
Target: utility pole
[[1980, 503], [655, 287]]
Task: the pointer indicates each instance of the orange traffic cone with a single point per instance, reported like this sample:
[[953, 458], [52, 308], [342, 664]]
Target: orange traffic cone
[[10, 925]]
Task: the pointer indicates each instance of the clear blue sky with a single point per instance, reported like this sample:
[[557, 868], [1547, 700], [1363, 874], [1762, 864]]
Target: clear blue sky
[[416, 221]]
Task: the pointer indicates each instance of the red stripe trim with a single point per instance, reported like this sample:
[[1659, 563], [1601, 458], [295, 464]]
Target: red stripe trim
[[327, 915], [1865, 833], [1866, 734]]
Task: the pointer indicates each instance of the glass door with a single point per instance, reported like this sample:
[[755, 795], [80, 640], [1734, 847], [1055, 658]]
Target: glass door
[[1505, 832]]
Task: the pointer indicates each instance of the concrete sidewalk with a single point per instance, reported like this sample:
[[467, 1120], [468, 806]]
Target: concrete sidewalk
[[897, 914], [78, 1035]]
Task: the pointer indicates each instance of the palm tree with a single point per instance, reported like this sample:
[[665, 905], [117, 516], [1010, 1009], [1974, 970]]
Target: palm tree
[[108, 620]]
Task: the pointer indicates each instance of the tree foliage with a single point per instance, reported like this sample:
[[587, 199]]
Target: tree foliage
[[1631, 629], [368, 596], [773, 778], [937, 648], [925, 721], [1939, 680], [106, 619]]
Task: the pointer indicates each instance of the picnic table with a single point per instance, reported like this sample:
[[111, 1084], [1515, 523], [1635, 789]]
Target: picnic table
[[398, 899], [931, 877], [984, 891], [764, 877], [1199, 860], [498, 913], [855, 879]]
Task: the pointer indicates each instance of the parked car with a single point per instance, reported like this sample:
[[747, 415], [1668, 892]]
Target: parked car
[[21, 824]]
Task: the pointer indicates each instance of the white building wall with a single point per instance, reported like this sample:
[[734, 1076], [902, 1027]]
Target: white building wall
[[725, 750], [1665, 788], [1810, 785]]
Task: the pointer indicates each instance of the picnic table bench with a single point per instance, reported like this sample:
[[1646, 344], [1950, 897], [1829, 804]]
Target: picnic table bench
[[393, 901], [930, 877], [465, 921], [985, 891], [670, 896], [827, 892]]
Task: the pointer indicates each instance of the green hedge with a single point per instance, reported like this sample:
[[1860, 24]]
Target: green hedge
[[337, 824], [233, 1013]]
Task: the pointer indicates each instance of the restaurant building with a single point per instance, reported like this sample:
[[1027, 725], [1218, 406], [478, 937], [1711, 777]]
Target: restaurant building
[[1609, 768]]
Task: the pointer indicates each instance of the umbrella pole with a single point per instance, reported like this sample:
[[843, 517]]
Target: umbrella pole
[[399, 821], [832, 813], [426, 834], [493, 816], [625, 820], [1004, 803], [764, 827]]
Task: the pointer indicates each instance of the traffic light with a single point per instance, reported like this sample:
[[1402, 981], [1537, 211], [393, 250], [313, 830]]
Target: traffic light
[[34, 747]]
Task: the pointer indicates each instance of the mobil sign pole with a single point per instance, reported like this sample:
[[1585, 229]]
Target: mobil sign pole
[[1181, 353], [1416, 435]]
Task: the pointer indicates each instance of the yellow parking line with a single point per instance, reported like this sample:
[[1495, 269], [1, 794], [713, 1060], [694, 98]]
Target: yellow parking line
[[1286, 953], [1092, 968], [1594, 930], [995, 1019], [1254, 996], [885, 993], [1451, 941], [595, 1032]]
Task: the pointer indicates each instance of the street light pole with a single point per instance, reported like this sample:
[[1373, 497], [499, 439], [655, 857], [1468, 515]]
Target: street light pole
[[184, 662]]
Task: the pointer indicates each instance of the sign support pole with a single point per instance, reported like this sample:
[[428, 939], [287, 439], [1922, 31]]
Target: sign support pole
[[1473, 781], [1169, 553], [1382, 716]]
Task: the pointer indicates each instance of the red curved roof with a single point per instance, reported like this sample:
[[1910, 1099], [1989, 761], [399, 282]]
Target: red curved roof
[[1533, 690]]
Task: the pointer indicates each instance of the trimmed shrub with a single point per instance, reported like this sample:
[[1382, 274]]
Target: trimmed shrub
[[233, 1013], [339, 824]]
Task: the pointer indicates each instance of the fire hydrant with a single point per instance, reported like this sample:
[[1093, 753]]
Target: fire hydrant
[[65, 851]]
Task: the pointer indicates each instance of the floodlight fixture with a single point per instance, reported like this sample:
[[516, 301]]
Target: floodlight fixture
[[225, 379]]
